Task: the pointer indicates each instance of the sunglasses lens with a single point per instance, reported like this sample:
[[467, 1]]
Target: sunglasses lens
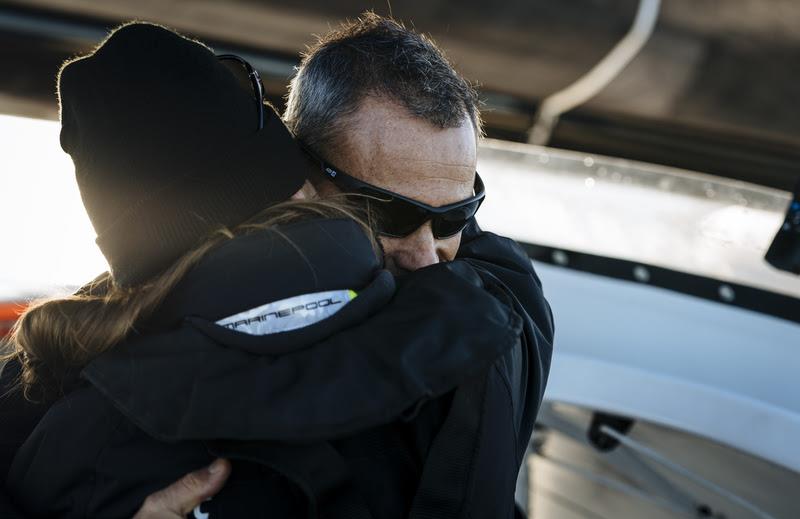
[[397, 218], [453, 221]]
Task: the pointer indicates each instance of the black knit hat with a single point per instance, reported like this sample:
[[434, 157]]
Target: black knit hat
[[167, 149]]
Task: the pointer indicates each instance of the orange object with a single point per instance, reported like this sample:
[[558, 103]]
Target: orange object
[[9, 312]]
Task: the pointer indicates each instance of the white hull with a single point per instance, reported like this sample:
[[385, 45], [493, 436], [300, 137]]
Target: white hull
[[710, 384]]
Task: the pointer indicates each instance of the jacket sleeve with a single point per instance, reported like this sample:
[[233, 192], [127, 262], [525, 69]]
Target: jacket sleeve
[[7, 508], [19, 416], [508, 269]]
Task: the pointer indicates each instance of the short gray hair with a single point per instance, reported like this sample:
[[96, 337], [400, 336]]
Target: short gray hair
[[374, 55]]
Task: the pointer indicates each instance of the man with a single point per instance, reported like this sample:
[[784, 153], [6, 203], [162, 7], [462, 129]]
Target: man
[[381, 104]]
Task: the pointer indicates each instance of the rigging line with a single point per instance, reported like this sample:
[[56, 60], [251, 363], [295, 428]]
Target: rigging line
[[683, 471], [626, 462], [614, 484], [598, 76]]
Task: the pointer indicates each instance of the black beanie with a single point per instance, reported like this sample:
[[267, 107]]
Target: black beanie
[[167, 149]]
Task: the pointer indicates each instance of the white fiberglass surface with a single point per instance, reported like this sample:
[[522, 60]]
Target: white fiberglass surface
[[47, 240], [715, 370], [676, 219], [661, 216]]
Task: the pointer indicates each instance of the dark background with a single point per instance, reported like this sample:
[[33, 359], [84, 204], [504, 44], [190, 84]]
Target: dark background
[[716, 89]]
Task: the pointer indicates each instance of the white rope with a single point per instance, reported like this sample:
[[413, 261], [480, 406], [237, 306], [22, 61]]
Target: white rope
[[678, 469], [598, 77]]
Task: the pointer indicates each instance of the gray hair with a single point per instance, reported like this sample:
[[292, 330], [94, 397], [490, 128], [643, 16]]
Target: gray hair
[[376, 56]]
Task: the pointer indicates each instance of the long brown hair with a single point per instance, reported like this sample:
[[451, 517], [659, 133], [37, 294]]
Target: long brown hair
[[55, 338]]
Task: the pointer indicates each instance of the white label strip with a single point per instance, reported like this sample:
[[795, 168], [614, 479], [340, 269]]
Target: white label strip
[[288, 314]]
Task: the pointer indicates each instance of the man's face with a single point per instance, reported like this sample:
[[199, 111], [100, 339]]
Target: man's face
[[386, 146]]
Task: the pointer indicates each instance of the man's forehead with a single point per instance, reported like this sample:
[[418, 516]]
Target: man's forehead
[[387, 167], [388, 147], [434, 182]]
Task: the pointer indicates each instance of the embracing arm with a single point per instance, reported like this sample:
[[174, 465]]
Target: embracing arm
[[173, 502], [504, 265], [180, 498], [20, 417]]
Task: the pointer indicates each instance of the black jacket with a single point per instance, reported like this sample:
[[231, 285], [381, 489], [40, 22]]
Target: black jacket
[[436, 377]]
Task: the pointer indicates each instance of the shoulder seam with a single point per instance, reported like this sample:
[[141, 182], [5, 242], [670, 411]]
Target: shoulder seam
[[101, 451]]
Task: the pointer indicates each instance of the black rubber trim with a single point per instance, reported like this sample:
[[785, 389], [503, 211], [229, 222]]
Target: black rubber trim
[[723, 292]]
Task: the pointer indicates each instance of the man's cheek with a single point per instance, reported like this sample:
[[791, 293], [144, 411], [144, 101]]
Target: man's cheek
[[448, 248], [415, 251], [392, 255]]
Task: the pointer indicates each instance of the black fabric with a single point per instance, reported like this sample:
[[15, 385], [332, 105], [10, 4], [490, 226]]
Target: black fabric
[[446, 478], [514, 386], [315, 468], [113, 464], [7, 508], [166, 147], [506, 266], [18, 417], [386, 462], [342, 384]]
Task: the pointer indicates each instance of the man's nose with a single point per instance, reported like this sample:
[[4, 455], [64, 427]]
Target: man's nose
[[416, 250]]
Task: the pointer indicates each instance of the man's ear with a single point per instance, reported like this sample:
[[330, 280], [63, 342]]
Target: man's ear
[[306, 192]]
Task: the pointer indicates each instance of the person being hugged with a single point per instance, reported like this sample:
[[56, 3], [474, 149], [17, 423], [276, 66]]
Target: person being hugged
[[241, 319]]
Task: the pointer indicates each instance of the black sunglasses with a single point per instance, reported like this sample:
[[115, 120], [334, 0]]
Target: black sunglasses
[[398, 216], [248, 79]]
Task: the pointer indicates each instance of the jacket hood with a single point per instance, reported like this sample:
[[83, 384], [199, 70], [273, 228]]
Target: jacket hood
[[392, 347], [298, 258]]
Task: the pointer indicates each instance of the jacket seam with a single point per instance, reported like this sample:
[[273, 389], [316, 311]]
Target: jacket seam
[[114, 428], [509, 390], [466, 504]]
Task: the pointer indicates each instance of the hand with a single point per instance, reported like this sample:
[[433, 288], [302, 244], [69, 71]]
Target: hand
[[181, 497]]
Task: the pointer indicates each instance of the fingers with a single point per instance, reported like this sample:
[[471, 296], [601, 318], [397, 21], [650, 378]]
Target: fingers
[[181, 497]]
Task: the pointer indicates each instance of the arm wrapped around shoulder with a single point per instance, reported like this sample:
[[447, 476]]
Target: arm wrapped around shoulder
[[509, 274]]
